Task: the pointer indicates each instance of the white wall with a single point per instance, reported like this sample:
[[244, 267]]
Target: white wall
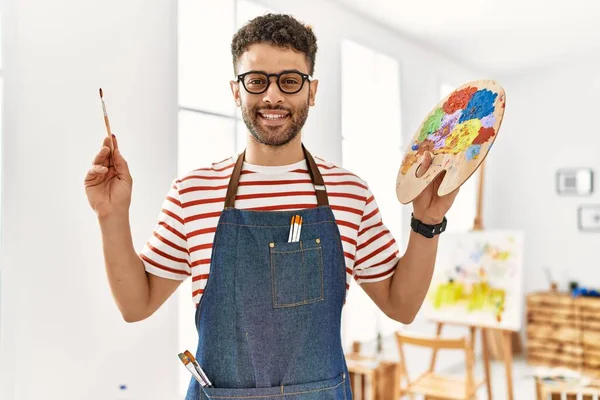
[[56, 304], [550, 123]]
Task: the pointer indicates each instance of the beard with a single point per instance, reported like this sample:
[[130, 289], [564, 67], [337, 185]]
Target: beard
[[275, 136]]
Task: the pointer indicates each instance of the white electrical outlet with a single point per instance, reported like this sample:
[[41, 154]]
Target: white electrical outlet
[[589, 218]]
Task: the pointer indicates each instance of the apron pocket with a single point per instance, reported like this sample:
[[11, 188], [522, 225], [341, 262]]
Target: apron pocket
[[296, 272], [330, 389]]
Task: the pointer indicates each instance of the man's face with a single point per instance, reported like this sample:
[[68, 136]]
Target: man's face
[[273, 117]]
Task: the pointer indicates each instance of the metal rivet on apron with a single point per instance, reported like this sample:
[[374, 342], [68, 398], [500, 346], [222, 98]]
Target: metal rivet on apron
[[318, 240], [271, 244]]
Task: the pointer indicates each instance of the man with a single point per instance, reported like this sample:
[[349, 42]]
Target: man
[[269, 302]]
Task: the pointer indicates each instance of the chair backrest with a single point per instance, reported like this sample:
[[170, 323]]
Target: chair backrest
[[437, 343], [432, 342]]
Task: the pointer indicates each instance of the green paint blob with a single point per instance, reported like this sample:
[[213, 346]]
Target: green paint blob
[[432, 124]]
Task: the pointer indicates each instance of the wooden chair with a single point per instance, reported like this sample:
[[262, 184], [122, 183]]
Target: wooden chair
[[437, 386]]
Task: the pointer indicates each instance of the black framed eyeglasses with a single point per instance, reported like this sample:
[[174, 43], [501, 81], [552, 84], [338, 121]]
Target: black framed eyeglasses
[[289, 81]]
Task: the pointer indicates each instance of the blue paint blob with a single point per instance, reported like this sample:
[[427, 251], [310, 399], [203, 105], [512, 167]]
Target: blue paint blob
[[472, 151], [415, 147], [481, 105]]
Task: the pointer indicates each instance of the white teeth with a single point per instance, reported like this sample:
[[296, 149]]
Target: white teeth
[[273, 116]]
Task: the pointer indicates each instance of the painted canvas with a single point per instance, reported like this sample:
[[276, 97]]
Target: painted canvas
[[478, 280]]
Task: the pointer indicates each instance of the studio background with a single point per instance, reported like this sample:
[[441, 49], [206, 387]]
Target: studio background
[[165, 77]]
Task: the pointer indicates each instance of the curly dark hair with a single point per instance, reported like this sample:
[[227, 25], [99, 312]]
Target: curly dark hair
[[277, 30]]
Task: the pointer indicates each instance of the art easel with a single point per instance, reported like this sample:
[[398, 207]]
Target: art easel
[[489, 336]]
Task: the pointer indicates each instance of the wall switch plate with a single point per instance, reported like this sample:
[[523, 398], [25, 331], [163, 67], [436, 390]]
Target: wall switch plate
[[575, 181], [589, 218]]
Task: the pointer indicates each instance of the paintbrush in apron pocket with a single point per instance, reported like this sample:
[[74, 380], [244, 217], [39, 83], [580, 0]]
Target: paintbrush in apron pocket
[[205, 381], [190, 363]]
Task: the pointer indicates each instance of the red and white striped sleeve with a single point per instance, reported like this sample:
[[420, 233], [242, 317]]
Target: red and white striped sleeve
[[377, 252], [166, 253]]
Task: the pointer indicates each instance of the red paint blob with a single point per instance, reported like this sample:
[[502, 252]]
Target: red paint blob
[[458, 100], [484, 135]]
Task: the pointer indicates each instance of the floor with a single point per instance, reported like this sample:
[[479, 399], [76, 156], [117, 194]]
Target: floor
[[523, 384], [451, 362]]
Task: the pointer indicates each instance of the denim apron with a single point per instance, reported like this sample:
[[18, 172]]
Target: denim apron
[[269, 320]]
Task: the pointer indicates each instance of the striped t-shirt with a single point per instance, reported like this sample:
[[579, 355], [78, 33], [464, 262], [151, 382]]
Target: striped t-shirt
[[181, 244]]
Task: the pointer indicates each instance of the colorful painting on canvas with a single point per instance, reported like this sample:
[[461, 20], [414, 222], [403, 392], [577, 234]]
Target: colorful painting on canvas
[[459, 132], [478, 280]]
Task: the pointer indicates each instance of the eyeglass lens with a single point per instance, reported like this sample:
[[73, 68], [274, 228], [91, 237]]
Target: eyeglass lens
[[289, 82]]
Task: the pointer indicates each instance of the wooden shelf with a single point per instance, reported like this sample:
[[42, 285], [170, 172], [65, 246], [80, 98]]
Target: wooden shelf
[[563, 331]]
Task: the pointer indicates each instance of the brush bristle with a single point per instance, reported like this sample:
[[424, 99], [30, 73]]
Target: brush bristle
[[189, 355], [101, 95]]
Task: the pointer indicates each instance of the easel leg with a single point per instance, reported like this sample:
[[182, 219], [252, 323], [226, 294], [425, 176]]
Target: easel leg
[[371, 386], [507, 348], [438, 332], [486, 362]]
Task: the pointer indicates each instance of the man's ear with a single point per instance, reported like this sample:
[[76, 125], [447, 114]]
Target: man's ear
[[313, 92], [235, 90]]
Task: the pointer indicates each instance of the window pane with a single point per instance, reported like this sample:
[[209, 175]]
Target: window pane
[[205, 29], [203, 139], [370, 95], [1, 41], [371, 148], [1, 137], [371, 145]]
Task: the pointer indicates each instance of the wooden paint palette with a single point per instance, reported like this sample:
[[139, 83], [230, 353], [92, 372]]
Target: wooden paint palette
[[459, 132]]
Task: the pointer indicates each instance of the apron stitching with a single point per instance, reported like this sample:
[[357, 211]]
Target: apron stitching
[[344, 267], [304, 277], [277, 226], [316, 300], [323, 274], [212, 253], [283, 394], [304, 302], [295, 251], [276, 304], [273, 284]]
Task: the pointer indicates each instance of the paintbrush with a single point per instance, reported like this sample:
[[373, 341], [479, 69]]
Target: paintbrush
[[190, 367], [200, 371], [108, 131]]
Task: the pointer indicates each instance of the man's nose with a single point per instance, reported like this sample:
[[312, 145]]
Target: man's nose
[[273, 95]]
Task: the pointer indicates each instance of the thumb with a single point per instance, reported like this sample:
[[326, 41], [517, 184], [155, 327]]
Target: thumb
[[425, 162]]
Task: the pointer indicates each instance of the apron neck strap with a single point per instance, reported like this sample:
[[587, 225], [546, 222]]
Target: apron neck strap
[[313, 171]]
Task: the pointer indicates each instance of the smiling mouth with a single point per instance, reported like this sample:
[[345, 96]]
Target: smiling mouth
[[273, 117]]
